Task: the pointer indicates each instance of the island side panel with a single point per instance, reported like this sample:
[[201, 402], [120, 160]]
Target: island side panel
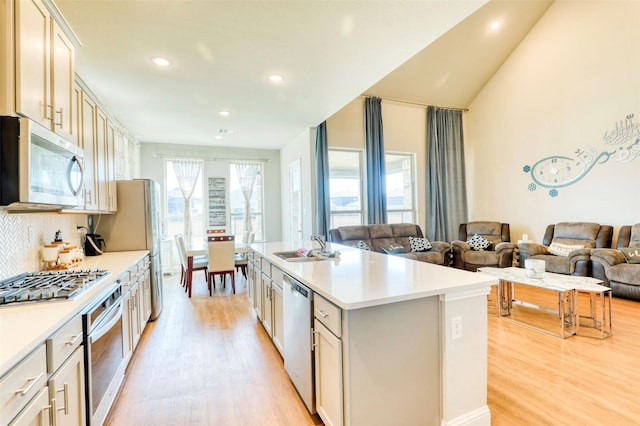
[[391, 364], [464, 358]]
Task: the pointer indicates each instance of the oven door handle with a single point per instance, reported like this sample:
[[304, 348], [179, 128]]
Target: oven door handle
[[108, 324]]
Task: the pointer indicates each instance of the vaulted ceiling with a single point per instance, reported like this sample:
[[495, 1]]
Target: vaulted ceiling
[[222, 53]]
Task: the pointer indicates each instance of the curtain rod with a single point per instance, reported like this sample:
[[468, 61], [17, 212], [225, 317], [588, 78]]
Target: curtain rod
[[400, 101], [206, 158]]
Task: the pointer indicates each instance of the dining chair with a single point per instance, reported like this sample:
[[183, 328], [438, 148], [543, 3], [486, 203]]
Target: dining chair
[[241, 262], [221, 260], [199, 263], [248, 237]]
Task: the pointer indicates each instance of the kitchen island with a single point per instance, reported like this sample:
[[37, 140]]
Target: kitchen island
[[412, 335]]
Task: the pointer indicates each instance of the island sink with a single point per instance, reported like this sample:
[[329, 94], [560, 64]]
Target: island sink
[[294, 256]]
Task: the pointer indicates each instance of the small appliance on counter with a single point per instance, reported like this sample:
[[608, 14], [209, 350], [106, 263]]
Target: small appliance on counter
[[94, 245]]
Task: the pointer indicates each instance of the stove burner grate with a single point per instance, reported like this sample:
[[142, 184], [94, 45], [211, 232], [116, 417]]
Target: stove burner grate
[[48, 285]]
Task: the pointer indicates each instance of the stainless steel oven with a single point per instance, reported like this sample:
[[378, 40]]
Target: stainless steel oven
[[106, 349]]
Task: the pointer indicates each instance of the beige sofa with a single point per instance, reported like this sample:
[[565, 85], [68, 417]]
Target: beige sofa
[[380, 236]]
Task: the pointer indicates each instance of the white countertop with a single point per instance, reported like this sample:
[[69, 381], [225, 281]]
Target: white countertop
[[361, 278], [23, 326]]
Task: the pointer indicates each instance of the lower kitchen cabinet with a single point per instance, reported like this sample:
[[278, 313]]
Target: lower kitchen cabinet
[[265, 288], [328, 374], [135, 328], [19, 387], [36, 413], [278, 316], [66, 391]]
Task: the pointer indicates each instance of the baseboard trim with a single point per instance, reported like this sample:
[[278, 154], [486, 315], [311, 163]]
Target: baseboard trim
[[479, 417]]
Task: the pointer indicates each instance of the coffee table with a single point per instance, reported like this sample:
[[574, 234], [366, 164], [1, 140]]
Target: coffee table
[[569, 290]]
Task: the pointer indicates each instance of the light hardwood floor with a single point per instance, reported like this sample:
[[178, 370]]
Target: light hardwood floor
[[207, 361]]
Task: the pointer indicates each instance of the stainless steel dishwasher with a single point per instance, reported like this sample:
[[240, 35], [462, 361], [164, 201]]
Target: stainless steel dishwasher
[[298, 356]]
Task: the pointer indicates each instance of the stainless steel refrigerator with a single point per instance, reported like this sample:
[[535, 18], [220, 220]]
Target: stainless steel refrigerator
[[136, 226]]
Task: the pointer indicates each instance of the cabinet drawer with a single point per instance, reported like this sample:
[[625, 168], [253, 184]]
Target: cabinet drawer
[[328, 314], [63, 343], [22, 383], [276, 276]]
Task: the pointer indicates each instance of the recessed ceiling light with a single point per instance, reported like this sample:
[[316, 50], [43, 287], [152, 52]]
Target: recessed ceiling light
[[218, 137], [495, 25], [276, 78], [224, 113], [161, 62]]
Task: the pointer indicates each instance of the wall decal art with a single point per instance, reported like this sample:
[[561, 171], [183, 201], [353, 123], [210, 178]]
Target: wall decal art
[[217, 202], [557, 171]]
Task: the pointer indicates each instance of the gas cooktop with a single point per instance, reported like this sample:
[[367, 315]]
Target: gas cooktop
[[48, 285]]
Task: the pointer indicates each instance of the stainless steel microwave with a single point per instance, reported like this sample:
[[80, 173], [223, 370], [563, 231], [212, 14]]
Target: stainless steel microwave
[[39, 170]]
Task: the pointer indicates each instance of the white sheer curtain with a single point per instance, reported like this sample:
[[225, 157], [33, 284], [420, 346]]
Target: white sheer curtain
[[247, 173], [187, 172]]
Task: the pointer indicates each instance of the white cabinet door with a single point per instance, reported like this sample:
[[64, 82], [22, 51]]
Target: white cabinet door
[[66, 387], [328, 375], [267, 311], [33, 52], [257, 279], [62, 53], [88, 138], [146, 293], [134, 317], [278, 317], [36, 413], [251, 284], [100, 160]]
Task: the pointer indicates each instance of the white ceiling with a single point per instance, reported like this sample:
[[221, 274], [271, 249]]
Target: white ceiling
[[329, 52]]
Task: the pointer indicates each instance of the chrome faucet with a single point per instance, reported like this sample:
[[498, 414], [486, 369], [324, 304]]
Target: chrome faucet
[[320, 239]]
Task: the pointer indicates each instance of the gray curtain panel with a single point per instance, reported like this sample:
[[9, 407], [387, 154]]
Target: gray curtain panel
[[322, 181], [374, 148], [446, 183]]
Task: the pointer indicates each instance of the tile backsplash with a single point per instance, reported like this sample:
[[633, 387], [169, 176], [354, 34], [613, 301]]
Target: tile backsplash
[[23, 234]]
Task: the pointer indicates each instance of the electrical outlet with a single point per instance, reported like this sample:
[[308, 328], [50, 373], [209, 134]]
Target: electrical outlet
[[456, 328]]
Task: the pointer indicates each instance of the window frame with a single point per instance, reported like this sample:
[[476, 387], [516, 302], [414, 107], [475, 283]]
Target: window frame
[[259, 236], [412, 161], [362, 188], [167, 231]]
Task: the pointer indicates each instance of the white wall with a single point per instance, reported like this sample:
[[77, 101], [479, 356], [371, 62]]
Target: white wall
[[301, 148], [571, 80], [216, 164]]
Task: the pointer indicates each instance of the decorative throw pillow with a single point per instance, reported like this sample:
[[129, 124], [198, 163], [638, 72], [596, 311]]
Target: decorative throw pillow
[[362, 245], [563, 249], [419, 244], [394, 249], [478, 242], [631, 254]]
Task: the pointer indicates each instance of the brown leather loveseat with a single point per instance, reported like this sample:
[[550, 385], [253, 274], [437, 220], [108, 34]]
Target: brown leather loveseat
[[380, 236]]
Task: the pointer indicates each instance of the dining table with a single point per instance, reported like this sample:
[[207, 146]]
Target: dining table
[[201, 248]]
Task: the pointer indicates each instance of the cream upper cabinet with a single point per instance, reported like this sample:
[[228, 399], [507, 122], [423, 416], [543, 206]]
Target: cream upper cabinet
[[101, 159], [114, 134], [40, 86], [62, 82], [88, 137]]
